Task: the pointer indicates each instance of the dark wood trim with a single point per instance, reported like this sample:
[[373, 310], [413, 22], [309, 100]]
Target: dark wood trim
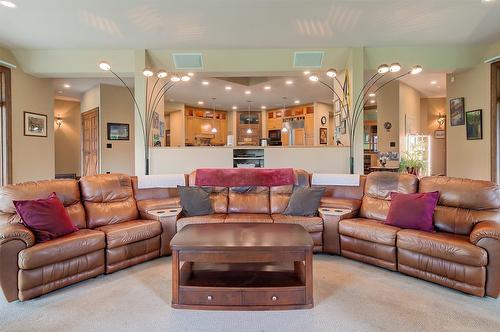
[[370, 107], [495, 97], [8, 123]]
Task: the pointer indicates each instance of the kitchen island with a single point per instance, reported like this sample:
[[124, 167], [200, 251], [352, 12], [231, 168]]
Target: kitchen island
[[320, 159]]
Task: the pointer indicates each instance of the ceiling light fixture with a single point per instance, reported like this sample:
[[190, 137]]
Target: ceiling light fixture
[[417, 69], [104, 65], [395, 67], [214, 130], [434, 82], [200, 102], [372, 101], [306, 72], [161, 74], [314, 78], [234, 107], [185, 78], [175, 78], [8, 4], [382, 69], [372, 95], [248, 92], [66, 86], [228, 87], [289, 82], [284, 129], [263, 107], [190, 74], [205, 83], [296, 101], [331, 73], [147, 72], [267, 87], [249, 130]]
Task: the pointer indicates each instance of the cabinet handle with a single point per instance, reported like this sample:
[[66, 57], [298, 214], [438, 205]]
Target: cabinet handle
[[274, 298], [210, 298]]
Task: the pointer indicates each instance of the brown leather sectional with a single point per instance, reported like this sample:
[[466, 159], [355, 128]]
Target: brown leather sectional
[[117, 230]]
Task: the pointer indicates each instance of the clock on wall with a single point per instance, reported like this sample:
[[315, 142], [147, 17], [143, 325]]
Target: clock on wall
[[387, 126], [323, 120]]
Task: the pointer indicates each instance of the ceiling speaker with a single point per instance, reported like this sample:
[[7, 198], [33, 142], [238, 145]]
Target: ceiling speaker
[[185, 61], [312, 59]]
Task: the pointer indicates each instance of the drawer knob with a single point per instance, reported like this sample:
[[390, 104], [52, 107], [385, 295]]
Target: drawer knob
[[274, 298], [210, 298]]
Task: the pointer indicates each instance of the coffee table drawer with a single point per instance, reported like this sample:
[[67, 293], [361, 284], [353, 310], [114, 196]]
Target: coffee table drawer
[[215, 297], [278, 297]]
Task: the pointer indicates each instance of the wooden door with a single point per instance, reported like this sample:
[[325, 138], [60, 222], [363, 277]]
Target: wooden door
[[299, 136], [309, 129], [5, 127], [90, 142]]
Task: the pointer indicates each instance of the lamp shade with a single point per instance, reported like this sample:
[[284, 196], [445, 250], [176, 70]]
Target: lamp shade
[[104, 65]]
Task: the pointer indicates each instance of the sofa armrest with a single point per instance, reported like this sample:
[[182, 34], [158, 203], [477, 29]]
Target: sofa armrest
[[168, 220], [486, 235], [331, 235], [9, 232], [485, 229]]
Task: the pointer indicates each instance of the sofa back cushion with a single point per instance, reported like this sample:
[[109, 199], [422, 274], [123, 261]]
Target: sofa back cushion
[[279, 196], [462, 202], [378, 188], [67, 191], [253, 199], [219, 195], [108, 199]]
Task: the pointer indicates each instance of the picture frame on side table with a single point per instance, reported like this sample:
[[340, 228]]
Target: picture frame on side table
[[440, 133], [118, 131], [457, 111], [323, 135], [35, 124], [474, 124]]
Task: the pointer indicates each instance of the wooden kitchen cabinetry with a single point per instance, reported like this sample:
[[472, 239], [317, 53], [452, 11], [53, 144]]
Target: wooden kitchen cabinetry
[[199, 124], [302, 136]]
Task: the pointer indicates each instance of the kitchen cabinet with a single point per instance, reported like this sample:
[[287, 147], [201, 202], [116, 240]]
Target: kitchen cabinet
[[199, 124], [299, 136], [309, 129]]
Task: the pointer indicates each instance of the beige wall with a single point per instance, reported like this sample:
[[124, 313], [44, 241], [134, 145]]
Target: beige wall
[[177, 128], [469, 158], [431, 108], [67, 137], [409, 113], [388, 111], [116, 106]]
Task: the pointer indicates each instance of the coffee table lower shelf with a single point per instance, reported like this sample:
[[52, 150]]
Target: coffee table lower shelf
[[246, 289]]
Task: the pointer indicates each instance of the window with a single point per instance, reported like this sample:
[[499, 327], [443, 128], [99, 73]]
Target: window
[[5, 127]]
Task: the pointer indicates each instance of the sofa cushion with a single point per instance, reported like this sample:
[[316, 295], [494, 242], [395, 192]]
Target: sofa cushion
[[304, 201], [369, 230], [340, 203], [451, 247], [311, 224], [413, 211], [195, 201], [249, 217], [65, 247], [215, 218], [248, 200], [155, 204], [131, 231]]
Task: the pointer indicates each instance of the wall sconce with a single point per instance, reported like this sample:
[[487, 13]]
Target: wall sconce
[[59, 121], [441, 120]]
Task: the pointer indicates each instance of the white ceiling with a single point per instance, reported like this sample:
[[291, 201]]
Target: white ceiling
[[424, 83], [202, 24], [80, 85]]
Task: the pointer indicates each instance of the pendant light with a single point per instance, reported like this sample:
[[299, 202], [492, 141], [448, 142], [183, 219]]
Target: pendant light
[[214, 130], [249, 130], [284, 129]]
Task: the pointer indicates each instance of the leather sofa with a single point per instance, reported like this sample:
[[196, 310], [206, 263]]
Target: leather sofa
[[117, 229]]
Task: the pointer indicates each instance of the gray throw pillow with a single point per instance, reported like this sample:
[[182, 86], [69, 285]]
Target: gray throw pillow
[[304, 201], [195, 201]]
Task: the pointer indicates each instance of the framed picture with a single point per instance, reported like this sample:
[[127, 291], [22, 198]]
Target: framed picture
[[118, 132], [474, 124], [337, 120], [323, 136], [457, 115], [336, 106], [35, 124], [162, 128], [343, 127], [440, 133]]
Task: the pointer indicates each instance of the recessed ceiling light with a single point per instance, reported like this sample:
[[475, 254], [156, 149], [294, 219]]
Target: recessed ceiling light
[[372, 95], [59, 91], [234, 107], [248, 92], [263, 107], [434, 82], [66, 86], [8, 4], [314, 78], [205, 83], [200, 102], [289, 82], [267, 87], [228, 87], [296, 101], [191, 74], [372, 101], [306, 72]]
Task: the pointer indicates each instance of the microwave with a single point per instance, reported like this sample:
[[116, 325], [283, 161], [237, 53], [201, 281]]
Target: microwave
[[275, 135]]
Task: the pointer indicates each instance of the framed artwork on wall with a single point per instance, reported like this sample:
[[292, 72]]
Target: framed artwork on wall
[[474, 124], [457, 112], [323, 136], [118, 132], [337, 120], [439, 133], [343, 127], [35, 124]]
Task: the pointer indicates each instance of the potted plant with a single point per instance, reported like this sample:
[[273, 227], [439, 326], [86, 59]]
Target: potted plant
[[412, 162]]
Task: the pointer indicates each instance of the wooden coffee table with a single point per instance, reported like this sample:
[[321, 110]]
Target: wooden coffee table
[[242, 266]]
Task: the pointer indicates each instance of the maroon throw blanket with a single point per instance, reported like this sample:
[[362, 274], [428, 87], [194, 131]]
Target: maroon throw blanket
[[241, 177]]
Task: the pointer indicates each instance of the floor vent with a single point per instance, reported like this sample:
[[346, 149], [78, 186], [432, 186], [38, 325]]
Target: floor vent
[[186, 61], [312, 59]]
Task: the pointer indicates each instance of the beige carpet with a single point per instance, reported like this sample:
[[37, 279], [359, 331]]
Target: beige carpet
[[349, 296]]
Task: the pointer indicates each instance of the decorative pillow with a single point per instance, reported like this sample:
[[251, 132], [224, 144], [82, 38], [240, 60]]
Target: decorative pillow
[[414, 211], [195, 201], [47, 218], [304, 201]]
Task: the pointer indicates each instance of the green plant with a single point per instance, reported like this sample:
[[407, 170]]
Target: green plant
[[412, 162]]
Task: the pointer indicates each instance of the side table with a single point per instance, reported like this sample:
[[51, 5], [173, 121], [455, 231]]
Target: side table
[[168, 220], [331, 236]]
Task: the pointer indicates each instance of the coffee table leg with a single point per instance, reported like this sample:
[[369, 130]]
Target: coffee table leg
[[175, 277], [309, 277]]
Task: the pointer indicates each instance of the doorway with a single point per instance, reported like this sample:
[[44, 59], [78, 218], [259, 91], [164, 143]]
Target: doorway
[[90, 142], [5, 127], [495, 122]]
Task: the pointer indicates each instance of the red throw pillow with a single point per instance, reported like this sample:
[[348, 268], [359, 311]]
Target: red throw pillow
[[414, 211], [47, 218]]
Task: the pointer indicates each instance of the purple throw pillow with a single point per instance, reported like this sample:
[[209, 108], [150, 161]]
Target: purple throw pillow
[[414, 211], [47, 218]]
